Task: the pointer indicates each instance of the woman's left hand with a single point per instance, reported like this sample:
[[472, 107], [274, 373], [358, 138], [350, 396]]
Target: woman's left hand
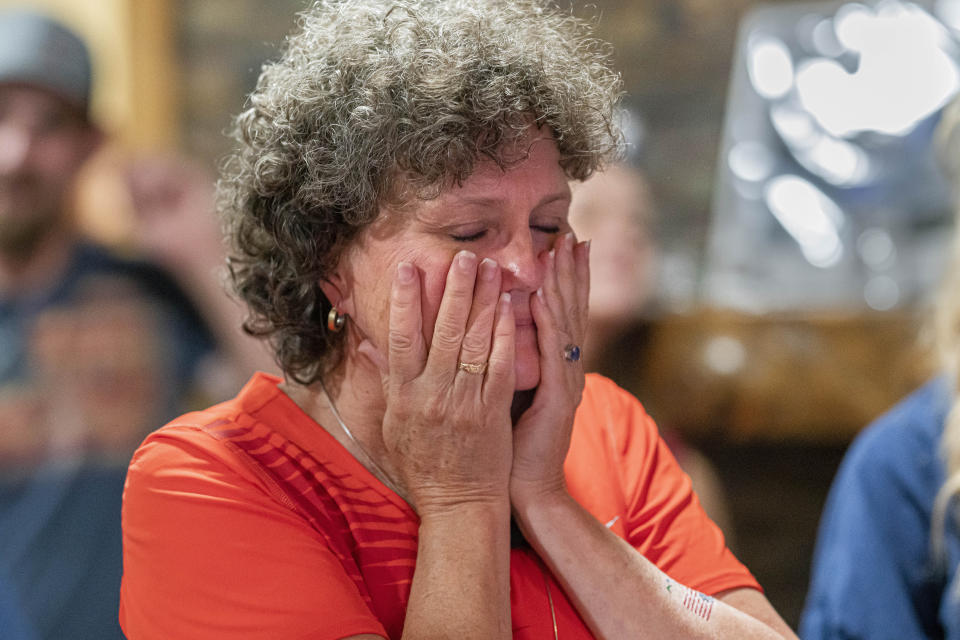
[[541, 436]]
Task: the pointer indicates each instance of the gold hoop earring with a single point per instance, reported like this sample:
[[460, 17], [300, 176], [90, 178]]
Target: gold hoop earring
[[336, 320]]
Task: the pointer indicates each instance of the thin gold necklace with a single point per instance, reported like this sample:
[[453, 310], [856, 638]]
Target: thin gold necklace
[[371, 464], [553, 613], [378, 471]]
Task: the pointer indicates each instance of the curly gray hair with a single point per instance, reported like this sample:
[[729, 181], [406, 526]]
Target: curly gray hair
[[373, 100]]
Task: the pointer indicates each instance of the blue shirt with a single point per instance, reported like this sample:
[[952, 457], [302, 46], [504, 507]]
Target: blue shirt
[[60, 535], [61, 553], [873, 576]]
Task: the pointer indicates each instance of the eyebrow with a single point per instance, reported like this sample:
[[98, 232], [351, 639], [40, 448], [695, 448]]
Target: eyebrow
[[487, 201]]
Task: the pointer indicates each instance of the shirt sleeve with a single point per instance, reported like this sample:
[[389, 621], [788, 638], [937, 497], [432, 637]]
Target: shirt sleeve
[[661, 515], [210, 554], [871, 574]]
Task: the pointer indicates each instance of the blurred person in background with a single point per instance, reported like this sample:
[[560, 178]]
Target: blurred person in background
[[175, 226], [95, 348], [397, 207], [615, 211], [887, 559]]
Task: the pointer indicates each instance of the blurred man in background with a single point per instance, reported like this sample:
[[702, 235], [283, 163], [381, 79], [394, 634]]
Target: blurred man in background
[[95, 349], [78, 325]]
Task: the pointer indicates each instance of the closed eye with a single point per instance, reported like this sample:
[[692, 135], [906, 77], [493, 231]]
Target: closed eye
[[471, 237], [543, 228]]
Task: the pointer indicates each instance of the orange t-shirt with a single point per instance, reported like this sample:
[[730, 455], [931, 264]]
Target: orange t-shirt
[[248, 520]]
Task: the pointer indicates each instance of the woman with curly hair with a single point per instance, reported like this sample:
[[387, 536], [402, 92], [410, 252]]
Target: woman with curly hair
[[434, 462]]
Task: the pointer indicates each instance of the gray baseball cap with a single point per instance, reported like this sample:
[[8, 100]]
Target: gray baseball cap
[[38, 51]]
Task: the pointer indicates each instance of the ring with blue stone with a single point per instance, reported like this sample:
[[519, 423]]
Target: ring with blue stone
[[571, 353]]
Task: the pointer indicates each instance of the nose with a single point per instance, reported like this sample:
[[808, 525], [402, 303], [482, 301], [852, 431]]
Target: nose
[[15, 145], [522, 270]]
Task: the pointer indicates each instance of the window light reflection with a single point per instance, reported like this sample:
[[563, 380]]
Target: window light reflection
[[904, 72], [809, 216], [770, 67]]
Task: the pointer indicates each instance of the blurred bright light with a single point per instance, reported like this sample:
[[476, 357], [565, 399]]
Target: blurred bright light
[[948, 11], [876, 248], [808, 215], [751, 161], [904, 72], [795, 126], [725, 355], [770, 67], [838, 161], [804, 31], [825, 39], [881, 293], [850, 23]]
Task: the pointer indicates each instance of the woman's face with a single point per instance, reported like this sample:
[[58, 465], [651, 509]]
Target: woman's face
[[614, 211], [511, 217]]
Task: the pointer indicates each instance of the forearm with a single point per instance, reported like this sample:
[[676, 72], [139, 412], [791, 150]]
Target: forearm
[[461, 585], [619, 593], [203, 282]]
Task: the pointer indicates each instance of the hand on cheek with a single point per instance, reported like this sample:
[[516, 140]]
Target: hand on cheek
[[542, 434], [446, 426]]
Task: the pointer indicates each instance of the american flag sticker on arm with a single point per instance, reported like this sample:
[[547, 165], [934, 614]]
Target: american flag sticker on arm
[[700, 604]]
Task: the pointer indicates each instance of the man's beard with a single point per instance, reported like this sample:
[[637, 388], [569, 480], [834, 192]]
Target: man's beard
[[22, 232]]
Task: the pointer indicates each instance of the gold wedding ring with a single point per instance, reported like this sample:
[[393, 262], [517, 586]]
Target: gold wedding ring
[[472, 368]]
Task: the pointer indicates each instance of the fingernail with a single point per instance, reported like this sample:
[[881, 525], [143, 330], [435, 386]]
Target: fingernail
[[465, 260], [586, 246], [405, 272], [540, 293], [488, 269], [568, 241]]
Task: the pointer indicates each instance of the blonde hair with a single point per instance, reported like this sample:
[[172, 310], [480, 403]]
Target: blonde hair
[[947, 336]]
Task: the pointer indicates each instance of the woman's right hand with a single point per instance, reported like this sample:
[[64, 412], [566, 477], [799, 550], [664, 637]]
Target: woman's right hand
[[448, 430]]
